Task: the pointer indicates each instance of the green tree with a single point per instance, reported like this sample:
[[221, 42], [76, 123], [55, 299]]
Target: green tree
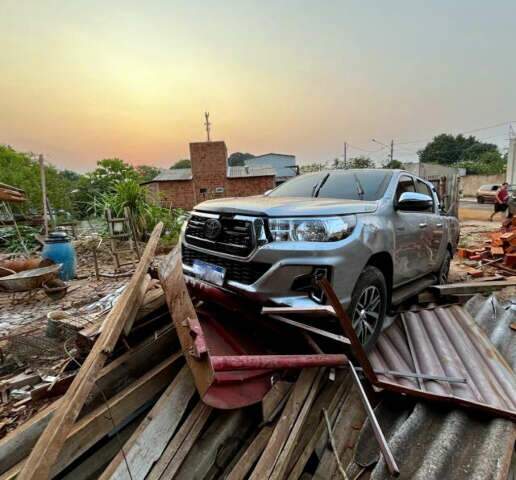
[[311, 167], [360, 162], [184, 163], [104, 179], [487, 163], [447, 149], [237, 159], [147, 172], [22, 170], [394, 164]]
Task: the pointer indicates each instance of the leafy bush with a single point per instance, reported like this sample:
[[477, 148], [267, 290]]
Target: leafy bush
[[11, 243], [145, 215]]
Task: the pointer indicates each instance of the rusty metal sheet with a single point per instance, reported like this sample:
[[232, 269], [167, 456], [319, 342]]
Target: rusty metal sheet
[[443, 341], [446, 341]]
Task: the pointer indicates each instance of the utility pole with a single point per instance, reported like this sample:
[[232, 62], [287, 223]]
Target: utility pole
[[207, 125], [392, 150], [345, 154], [43, 193]]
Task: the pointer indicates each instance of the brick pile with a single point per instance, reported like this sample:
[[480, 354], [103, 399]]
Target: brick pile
[[499, 248]]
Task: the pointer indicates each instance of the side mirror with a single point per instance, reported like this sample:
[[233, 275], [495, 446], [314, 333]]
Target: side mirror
[[414, 202], [267, 192]]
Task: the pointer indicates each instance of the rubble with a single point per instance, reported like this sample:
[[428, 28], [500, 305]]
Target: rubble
[[140, 415]]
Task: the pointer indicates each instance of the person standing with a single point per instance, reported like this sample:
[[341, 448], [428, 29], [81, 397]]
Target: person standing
[[501, 200]]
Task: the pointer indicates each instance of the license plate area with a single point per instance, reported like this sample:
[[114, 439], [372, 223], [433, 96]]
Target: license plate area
[[209, 272]]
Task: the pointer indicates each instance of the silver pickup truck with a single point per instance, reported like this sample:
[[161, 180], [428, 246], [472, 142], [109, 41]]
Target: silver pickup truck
[[379, 236]]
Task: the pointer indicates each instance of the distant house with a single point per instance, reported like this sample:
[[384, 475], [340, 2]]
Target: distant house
[[284, 165], [210, 177]]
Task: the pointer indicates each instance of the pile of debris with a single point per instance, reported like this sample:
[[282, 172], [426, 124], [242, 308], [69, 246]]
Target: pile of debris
[[127, 403], [498, 252]]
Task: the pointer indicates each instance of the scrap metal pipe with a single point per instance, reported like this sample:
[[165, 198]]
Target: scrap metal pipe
[[258, 362]]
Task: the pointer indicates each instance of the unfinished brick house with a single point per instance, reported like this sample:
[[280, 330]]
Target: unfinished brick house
[[210, 177]]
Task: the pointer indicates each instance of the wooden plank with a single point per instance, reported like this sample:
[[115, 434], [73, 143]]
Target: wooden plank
[[280, 468], [98, 423], [249, 457], [209, 455], [148, 442], [49, 445], [285, 424], [15, 446], [473, 287], [274, 400], [183, 313], [92, 466], [140, 295], [153, 299], [178, 448], [299, 461]]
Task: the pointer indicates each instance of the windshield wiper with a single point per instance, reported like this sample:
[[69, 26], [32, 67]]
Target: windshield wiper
[[360, 189], [318, 187]]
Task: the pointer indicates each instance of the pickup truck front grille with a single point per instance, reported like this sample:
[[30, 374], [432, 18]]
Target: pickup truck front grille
[[242, 272], [235, 238]]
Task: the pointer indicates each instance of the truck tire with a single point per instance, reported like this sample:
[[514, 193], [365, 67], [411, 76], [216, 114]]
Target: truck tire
[[444, 269], [368, 306], [480, 199]]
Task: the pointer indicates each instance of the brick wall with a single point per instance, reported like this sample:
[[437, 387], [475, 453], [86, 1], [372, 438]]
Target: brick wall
[[209, 169], [245, 187], [178, 194], [209, 172]]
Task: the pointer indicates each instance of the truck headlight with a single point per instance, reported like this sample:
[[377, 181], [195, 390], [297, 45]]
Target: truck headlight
[[322, 229]]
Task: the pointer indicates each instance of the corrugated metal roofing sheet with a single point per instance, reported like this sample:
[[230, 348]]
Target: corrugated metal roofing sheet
[[445, 341], [242, 172], [173, 174], [434, 443]]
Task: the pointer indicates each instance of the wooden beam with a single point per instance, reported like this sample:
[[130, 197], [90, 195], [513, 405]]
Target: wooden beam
[[109, 415], [280, 468], [153, 299], [49, 445], [140, 295], [17, 445], [249, 457], [150, 439], [270, 455], [92, 466], [274, 400], [178, 448], [315, 432], [466, 288]]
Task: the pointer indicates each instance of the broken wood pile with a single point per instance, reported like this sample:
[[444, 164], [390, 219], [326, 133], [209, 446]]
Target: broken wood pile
[[125, 406]]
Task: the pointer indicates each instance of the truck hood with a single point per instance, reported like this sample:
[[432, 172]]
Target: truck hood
[[262, 205]]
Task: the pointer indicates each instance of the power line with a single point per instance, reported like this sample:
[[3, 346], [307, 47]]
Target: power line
[[460, 133]]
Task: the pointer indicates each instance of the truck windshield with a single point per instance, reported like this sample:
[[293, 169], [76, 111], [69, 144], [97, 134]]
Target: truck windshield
[[344, 184]]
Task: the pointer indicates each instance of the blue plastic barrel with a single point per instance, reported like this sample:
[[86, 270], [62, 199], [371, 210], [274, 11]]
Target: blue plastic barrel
[[59, 249]]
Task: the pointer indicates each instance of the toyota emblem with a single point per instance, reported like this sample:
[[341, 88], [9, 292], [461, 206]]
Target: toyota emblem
[[212, 228]]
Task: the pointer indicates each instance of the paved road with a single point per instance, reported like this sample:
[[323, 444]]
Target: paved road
[[472, 203]]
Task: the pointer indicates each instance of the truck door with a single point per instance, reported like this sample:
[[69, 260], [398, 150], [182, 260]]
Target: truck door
[[436, 240], [412, 238]]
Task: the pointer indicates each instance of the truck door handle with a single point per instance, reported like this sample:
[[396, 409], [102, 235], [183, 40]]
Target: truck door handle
[[423, 225]]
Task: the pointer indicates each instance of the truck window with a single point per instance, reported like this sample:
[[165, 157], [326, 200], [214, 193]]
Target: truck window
[[405, 184], [422, 187]]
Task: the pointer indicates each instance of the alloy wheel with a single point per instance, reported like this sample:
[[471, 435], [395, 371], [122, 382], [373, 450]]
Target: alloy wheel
[[367, 313]]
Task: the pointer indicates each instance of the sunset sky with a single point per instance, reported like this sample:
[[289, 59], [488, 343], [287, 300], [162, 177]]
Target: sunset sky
[[83, 80]]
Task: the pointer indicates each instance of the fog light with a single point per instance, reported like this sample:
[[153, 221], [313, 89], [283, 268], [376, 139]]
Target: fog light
[[316, 292]]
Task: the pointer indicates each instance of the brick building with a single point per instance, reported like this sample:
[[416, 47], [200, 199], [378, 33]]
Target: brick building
[[210, 177]]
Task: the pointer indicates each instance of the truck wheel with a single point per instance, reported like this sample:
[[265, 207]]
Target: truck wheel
[[368, 306], [445, 268], [480, 199]]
